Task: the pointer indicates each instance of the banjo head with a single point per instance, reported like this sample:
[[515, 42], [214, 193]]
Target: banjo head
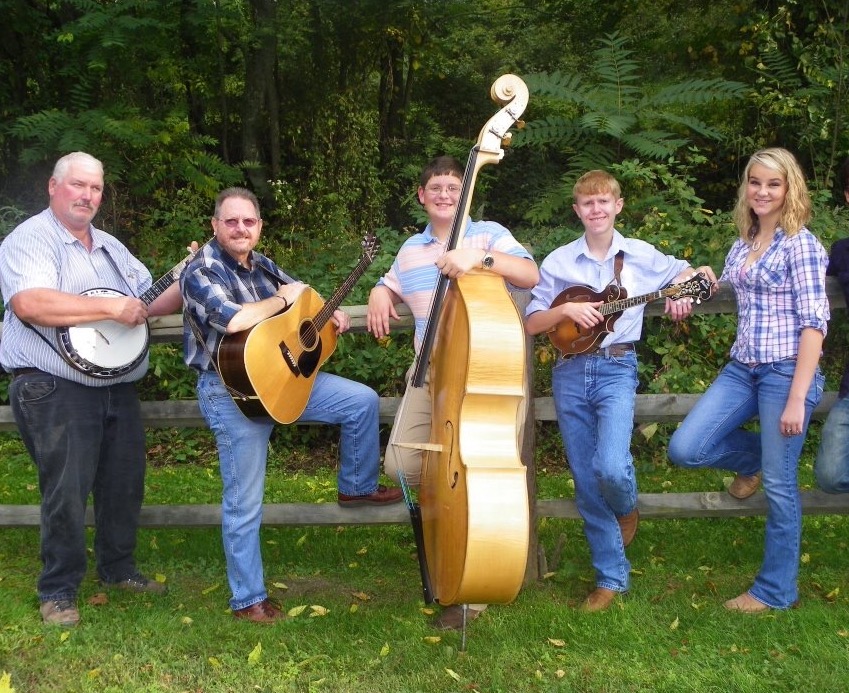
[[104, 348]]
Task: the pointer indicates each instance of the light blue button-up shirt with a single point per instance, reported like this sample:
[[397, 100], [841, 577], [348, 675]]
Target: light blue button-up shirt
[[644, 270]]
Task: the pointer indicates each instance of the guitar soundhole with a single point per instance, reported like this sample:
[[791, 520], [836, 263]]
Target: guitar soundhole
[[309, 335]]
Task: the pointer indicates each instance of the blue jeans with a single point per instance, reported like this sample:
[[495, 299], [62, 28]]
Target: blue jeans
[[711, 436], [243, 451], [594, 399], [83, 440], [832, 465]]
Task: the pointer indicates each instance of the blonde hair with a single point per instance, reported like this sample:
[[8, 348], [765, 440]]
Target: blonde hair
[[595, 183], [796, 211]]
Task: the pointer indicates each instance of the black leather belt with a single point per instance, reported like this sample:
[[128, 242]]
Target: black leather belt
[[25, 371], [606, 352]]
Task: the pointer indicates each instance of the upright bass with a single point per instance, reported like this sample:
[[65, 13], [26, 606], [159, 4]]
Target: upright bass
[[473, 496]]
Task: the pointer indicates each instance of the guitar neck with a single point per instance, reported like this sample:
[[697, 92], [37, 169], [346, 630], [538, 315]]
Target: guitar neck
[[161, 284], [624, 303], [339, 295]]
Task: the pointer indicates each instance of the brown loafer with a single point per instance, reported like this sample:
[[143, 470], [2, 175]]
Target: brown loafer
[[746, 604], [261, 612], [744, 486], [451, 617], [383, 496], [628, 526], [599, 599]]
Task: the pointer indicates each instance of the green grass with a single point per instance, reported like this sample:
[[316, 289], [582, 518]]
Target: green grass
[[670, 634]]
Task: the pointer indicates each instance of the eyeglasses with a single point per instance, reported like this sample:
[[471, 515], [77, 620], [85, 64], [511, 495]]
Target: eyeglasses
[[439, 189], [248, 223]]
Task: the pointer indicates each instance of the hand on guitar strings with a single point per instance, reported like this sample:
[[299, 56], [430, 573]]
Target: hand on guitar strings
[[583, 313], [342, 321]]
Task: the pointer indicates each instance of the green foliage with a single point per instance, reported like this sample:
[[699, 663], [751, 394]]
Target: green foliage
[[10, 217], [800, 54], [598, 120], [167, 376]]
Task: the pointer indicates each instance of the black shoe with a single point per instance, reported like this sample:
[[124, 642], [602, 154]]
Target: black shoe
[[139, 583]]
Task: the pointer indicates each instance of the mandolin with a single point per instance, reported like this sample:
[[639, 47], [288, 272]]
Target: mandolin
[[570, 338]]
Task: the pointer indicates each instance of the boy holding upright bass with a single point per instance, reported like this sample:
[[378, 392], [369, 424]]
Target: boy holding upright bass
[[595, 378]]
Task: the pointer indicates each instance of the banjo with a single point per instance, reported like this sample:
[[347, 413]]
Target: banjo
[[107, 348]]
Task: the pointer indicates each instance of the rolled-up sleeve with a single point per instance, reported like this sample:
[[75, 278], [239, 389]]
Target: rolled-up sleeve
[[808, 265]]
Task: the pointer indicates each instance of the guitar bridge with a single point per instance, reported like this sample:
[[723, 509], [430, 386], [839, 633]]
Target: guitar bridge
[[290, 360]]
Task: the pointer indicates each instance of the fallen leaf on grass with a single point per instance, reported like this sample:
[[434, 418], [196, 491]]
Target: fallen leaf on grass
[[255, 654], [831, 596], [211, 589], [806, 558], [318, 610], [98, 599], [62, 638], [214, 661], [187, 620], [557, 642], [674, 624], [384, 650], [296, 611], [280, 585], [453, 674], [843, 633], [432, 639], [362, 596], [427, 611], [362, 552], [353, 608], [6, 683]]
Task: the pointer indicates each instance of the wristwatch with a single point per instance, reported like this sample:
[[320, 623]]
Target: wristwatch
[[488, 261]]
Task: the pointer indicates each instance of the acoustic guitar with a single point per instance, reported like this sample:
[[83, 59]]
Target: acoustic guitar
[[270, 369], [570, 338]]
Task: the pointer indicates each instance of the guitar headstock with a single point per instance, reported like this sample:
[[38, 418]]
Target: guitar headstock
[[697, 288], [371, 246]]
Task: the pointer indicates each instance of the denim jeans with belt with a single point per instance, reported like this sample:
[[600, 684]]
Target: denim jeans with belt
[[832, 465], [594, 398], [243, 451], [84, 440], [711, 436]]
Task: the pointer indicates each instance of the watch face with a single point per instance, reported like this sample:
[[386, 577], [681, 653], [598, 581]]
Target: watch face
[[488, 261]]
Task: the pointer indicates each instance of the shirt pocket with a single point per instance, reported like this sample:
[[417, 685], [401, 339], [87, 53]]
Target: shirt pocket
[[771, 272]]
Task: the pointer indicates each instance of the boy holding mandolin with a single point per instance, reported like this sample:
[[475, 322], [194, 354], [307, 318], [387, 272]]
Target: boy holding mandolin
[[590, 301]]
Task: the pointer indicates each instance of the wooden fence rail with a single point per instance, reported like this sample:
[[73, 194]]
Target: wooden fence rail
[[649, 408]]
